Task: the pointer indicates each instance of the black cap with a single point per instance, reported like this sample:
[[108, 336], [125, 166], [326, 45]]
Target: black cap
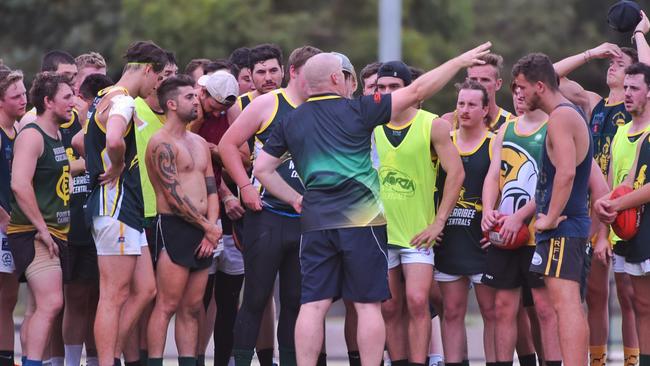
[[624, 16], [396, 69]]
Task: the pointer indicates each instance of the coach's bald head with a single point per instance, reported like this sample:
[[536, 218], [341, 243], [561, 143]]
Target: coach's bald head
[[323, 74]]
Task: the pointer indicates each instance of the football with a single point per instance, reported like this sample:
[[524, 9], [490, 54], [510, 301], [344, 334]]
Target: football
[[626, 223], [495, 238]]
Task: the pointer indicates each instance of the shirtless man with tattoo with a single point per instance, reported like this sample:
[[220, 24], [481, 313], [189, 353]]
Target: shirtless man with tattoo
[[180, 169]]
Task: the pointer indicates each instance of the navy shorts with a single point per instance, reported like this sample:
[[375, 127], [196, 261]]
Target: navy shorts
[[350, 263]]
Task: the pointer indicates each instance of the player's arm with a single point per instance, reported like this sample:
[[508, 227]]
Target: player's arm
[[577, 95], [205, 249], [77, 166], [28, 118], [4, 220], [605, 50], [243, 128], [78, 142], [563, 158], [162, 166], [491, 184], [27, 149], [642, 47], [119, 117], [231, 205], [598, 188], [451, 163], [234, 111], [432, 81], [265, 170]]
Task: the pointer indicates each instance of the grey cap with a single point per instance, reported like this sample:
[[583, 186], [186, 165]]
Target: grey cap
[[346, 65], [221, 85]]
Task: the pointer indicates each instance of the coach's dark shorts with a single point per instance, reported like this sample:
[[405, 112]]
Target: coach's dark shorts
[[566, 258], [351, 263], [180, 239], [81, 264], [509, 269]]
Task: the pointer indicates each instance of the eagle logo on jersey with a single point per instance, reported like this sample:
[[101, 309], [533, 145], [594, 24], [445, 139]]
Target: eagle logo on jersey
[[519, 172], [63, 185]]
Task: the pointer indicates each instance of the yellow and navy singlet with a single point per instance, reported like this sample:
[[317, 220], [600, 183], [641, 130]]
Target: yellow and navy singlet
[[6, 158], [244, 100], [51, 184], [79, 233], [638, 249], [123, 201], [460, 251], [286, 169], [606, 118]]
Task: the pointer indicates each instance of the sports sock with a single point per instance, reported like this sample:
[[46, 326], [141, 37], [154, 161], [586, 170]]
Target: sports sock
[[630, 356], [288, 356], [57, 361], [155, 361], [453, 364], [73, 354], [23, 359], [6, 358], [404, 362], [355, 358], [434, 359], [132, 363], [465, 362], [491, 364], [29, 362], [265, 356], [92, 361], [117, 361], [527, 360], [200, 360], [322, 359], [243, 357], [644, 360], [597, 355], [554, 363], [504, 363], [417, 364], [186, 361], [144, 357]]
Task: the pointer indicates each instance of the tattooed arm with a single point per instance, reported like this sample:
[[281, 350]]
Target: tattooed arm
[[161, 164]]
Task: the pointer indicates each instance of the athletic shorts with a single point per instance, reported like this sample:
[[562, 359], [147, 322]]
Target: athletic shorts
[[229, 260], [113, 237], [6, 259], [509, 269], [638, 269], [561, 257], [409, 255], [81, 264], [180, 239], [32, 257], [350, 263], [618, 263], [446, 277]]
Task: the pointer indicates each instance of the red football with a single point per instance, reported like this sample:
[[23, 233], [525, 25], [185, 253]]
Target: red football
[[626, 223], [495, 238]]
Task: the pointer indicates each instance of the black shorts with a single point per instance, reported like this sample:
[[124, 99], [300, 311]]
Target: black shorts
[[350, 263], [23, 251], [509, 269], [81, 264], [561, 257], [180, 239]]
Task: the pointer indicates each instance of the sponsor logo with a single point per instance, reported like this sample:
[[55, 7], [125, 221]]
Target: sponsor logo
[[397, 182], [537, 259]]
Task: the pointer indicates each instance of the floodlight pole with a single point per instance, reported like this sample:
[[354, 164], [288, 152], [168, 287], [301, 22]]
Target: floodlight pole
[[390, 30]]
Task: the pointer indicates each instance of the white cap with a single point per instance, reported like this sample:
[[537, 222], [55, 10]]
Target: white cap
[[221, 85]]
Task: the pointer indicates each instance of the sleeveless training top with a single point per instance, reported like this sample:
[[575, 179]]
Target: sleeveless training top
[[578, 221], [51, 184], [407, 179], [521, 156], [123, 201], [6, 158], [460, 251], [286, 169], [605, 120], [151, 123], [638, 249]]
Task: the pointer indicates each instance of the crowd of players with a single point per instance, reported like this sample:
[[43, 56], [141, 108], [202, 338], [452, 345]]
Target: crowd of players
[[125, 203]]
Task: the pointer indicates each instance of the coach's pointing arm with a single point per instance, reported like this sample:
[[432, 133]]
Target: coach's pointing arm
[[432, 81]]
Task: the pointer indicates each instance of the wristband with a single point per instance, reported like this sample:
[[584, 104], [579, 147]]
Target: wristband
[[634, 34], [229, 198], [245, 185]]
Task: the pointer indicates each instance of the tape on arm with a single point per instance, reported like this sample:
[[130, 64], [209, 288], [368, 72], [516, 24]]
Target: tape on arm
[[123, 105]]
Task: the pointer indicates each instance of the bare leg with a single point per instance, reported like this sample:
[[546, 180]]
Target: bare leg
[[309, 332], [485, 296], [371, 333], [454, 338], [187, 316], [625, 293], [393, 313], [572, 321], [548, 324], [8, 299], [47, 288], [506, 307]]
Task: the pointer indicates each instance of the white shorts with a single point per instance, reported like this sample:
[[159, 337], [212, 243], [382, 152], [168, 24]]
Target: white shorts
[[618, 263], [445, 277], [230, 261], [409, 255], [638, 269], [113, 237], [6, 259]]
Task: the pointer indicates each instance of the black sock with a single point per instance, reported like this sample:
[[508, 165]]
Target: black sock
[[527, 360], [557, 363], [132, 363], [644, 360], [400, 362], [200, 360], [155, 361], [322, 359], [6, 358], [490, 364], [355, 358], [117, 362], [465, 362], [453, 364], [504, 363], [265, 356], [416, 364], [186, 361], [144, 357]]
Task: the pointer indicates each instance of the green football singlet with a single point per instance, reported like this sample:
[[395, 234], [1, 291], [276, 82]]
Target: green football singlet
[[150, 123], [407, 178], [623, 151], [51, 184], [520, 166]]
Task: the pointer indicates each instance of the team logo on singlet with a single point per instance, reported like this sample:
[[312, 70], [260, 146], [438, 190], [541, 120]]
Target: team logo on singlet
[[465, 211], [63, 185], [640, 178], [619, 119], [395, 181], [602, 156], [519, 173]]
